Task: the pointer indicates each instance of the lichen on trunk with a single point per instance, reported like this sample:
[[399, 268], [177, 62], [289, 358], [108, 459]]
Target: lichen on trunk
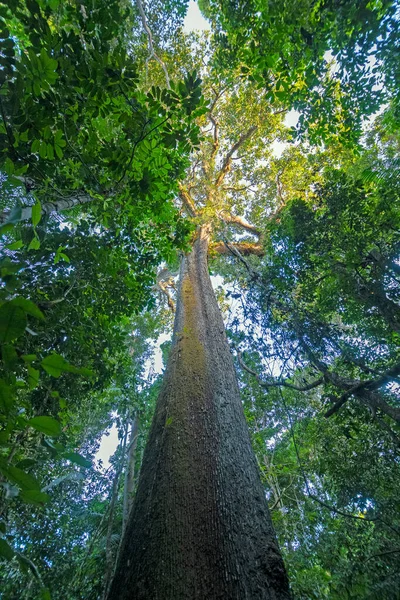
[[200, 526]]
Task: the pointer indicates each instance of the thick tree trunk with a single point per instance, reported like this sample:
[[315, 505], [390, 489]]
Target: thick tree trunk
[[199, 527]]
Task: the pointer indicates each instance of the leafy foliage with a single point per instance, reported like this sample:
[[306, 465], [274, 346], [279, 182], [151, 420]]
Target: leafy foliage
[[284, 48], [93, 144]]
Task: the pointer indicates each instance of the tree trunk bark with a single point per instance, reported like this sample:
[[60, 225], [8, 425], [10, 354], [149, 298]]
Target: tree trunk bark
[[50, 207], [199, 527], [130, 472]]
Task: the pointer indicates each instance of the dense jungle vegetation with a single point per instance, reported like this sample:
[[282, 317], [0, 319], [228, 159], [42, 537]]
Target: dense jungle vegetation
[[136, 159]]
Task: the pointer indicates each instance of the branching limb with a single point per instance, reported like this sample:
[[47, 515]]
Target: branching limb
[[394, 551], [187, 201], [152, 52], [240, 222], [165, 280], [227, 160], [280, 383], [58, 300], [245, 248], [164, 288], [329, 507], [364, 388]]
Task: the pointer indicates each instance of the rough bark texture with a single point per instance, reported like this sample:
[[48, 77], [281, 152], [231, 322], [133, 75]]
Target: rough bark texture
[[129, 486], [199, 527]]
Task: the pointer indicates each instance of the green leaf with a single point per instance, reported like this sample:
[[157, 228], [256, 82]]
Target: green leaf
[[47, 132], [50, 151], [36, 213], [15, 245], [9, 356], [29, 357], [33, 377], [78, 459], [45, 592], [35, 497], [6, 396], [6, 228], [9, 166], [43, 145], [5, 550], [35, 146], [28, 306], [46, 425], [35, 244], [55, 365], [25, 463], [12, 322], [24, 480]]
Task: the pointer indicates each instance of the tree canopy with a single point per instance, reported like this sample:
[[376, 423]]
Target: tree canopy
[[122, 135]]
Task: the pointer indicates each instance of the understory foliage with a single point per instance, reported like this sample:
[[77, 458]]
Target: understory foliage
[[116, 143]]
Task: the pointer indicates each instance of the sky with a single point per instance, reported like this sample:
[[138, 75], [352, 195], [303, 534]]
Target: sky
[[194, 20]]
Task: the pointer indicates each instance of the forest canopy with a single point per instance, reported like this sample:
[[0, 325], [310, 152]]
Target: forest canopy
[[138, 157]]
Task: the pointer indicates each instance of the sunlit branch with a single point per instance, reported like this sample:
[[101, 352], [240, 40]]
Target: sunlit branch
[[227, 160], [215, 135], [187, 201], [152, 52], [164, 288], [164, 281], [245, 248], [240, 222]]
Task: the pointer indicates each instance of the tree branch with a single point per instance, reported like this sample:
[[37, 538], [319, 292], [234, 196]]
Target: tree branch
[[152, 52], [245, 248], [215, 135], [315, 498], [164, 281], [370, 385], [187, 201], [50, 207], [280, 383], [227, 160], [240, 222]]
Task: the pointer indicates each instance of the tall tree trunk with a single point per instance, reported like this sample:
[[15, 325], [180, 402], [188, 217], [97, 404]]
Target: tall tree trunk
[[199, 527], [129, 485]]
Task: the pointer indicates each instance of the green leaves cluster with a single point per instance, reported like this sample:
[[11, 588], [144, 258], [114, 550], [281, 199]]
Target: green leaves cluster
[[73, 117], [284, 49]]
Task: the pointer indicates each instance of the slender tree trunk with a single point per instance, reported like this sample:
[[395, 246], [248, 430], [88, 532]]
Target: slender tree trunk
[[199, 527], [50, 207], [110, 560], [130, 472]]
